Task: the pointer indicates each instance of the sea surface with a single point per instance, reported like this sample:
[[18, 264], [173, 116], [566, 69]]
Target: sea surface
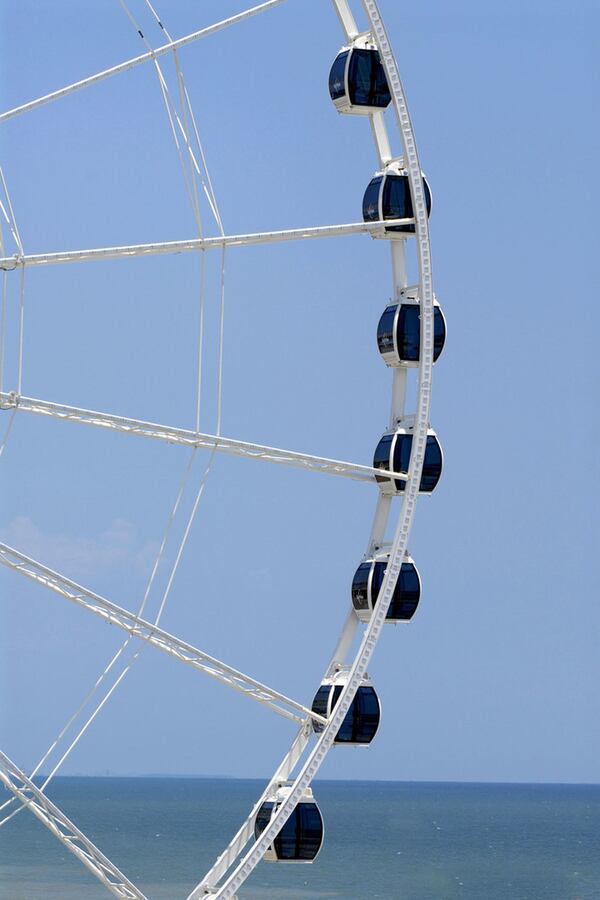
[[418, 841]]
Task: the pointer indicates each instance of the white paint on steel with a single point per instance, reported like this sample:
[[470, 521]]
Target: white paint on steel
[[236, 240], [243, 835], [137, 60], [67, 833], [409, 500], [153, 634], [420, 425], [196, 439]]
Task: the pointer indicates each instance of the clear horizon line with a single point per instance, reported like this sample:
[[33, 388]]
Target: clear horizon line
[[201, 777]]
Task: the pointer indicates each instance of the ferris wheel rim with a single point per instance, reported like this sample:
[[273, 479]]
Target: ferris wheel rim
[[357, 669], [421, 426]]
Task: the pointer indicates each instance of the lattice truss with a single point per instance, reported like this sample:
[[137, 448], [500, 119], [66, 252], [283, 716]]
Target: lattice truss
[[232, 868]]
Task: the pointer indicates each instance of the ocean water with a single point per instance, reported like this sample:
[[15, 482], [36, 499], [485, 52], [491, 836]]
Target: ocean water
[[382, 840]]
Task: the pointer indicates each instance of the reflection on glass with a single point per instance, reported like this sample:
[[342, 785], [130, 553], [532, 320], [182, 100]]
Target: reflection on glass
[[301, 836], [367, 83], [406, 593], [432, 466], [371, 200], [337, 76], [385, 330], [360, 598]]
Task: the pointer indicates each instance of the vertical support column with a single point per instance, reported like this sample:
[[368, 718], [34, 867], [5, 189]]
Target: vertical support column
[[380, 136], [344, 643], [347, 20]]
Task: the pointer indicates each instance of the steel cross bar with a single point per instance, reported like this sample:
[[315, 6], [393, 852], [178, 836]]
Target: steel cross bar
[[137, 60], [235, 240], [188, 438], [66, 832], [158, 637]]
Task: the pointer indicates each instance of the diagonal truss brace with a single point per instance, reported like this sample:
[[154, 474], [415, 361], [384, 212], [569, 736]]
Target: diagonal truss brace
[[66, 832], [138, 60], [188, 438], [376, 229], [158, 637]]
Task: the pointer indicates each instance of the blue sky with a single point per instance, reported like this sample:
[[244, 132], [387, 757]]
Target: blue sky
[[496, 677]]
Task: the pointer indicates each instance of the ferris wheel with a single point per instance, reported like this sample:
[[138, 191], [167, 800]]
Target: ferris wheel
[[285, 824]]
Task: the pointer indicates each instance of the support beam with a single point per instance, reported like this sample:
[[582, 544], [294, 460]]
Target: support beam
[[347, 20], [67, 833], [146, 631], [246, 830], [8, 263], [137, 60], [187, 438]]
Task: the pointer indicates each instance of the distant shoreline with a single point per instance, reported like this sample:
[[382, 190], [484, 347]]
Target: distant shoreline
[[346, 781]]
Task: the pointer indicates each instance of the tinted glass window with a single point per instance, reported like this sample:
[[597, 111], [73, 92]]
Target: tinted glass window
[[311, 830], [402, 457], [408, 332], [396, 198], [371, 200], [427, 196], [406, 595], [432, 468], [319, 705], [362, 719], [385, 330], [263, 817], [381, 459], [378, 574], [302, 834], [439, 332], [367, 83], [397, 201], [368, 722], [337, 76], [359, 586]]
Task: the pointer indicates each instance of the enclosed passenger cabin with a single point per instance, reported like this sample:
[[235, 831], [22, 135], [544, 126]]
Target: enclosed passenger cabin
[[393, 453], [357, 81], [388, 196], [366, 586], [300, 839], [399, 332], [362, 719]]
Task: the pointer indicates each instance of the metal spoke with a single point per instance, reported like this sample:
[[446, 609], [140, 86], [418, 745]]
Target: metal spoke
[[236, 240], [137, 60], [146, 631], [66, 832], [188, 438]]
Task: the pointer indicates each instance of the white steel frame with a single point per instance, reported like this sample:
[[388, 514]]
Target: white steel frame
[[234, 865], [67, 833]]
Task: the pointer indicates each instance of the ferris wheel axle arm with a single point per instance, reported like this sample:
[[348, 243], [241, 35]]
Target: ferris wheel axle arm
[[67, 833], [187, 438], [137, 60], [8, 263], [152, 634]]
